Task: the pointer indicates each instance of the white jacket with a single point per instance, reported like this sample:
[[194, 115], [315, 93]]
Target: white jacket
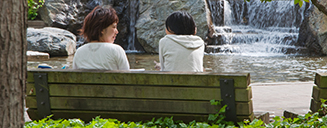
[[106, 56], [181, 53]]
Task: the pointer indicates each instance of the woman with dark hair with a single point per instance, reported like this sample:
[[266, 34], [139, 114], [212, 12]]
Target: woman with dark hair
[[181, 49], [100, 30]]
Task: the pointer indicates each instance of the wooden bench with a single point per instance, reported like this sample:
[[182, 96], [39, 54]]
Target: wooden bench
[[319, 91], [136, 96]]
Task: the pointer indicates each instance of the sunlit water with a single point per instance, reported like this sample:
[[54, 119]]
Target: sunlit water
[[262, 69]]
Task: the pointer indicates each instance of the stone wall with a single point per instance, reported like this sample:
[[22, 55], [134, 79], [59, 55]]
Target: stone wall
[[150, 25]]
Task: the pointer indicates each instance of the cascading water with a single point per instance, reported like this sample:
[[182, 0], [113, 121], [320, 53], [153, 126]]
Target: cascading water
[[132, 16], [257, 28]]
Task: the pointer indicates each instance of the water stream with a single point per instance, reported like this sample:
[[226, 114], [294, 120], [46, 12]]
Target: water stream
[[133, 6], [259, 28], [262, 69]]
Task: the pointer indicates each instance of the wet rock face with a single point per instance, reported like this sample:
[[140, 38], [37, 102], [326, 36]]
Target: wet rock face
[[313, 30], [70, 14], [67, 14], [55, 41], [150, 25]]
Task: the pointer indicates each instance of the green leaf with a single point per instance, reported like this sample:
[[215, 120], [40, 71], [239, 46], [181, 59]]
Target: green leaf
[[212, 117], [296, 1], [301, 3], [223, 109], [183, 125], [214, 102]]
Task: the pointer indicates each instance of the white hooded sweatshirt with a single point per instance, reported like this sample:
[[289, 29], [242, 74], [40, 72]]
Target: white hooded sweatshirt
[[181, 53]]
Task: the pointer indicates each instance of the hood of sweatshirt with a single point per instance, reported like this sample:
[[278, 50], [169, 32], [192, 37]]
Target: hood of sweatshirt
[[187, 41]]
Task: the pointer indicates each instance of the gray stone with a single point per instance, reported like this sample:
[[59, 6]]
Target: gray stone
[[150, 25], [70, 14], [35, 55], [55, 41], [313, 30]]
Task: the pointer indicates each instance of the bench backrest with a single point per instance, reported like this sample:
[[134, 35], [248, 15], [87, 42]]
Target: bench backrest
[[319, 91], [136, 96]]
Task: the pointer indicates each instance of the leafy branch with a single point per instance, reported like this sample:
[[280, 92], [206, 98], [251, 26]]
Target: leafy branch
[[33, 8]]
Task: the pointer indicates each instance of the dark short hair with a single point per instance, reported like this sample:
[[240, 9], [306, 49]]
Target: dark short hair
[[97, 20], [180, 23]]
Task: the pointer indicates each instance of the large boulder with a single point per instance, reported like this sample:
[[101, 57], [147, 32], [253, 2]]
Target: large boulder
[[150, 25], [70, 14], [313, 30], [55, 41]]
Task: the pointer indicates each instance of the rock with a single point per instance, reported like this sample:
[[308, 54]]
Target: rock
[[150, 26], [55, 41], [67, 14], [35, 55], [313, 30], [70, 14]]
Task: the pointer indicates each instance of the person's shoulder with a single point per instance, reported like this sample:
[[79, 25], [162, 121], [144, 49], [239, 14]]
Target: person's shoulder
[[81, 47], [112, 45], [165, 38]]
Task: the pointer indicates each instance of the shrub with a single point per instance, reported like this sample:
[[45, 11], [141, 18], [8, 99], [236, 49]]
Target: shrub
[[33, 8], [309, 120]]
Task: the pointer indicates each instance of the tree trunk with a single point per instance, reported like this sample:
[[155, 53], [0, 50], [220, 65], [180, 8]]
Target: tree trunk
[[13, 24]]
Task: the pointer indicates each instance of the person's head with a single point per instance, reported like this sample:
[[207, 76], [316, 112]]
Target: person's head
[[100, 25], [180, 23]]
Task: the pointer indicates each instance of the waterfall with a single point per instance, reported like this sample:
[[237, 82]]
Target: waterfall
[[133, 7], [258, 28]]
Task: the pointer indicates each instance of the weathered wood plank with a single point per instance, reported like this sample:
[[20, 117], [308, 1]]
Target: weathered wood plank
[[168, 106], [243, 118], [129, 105], [125, 116], [244, 108], [144, 78], [148, 92], [318, 93], [31, 102], [30, 89], [243, 94], [121, 116], [315, 105], [321, 80], [134, 91]]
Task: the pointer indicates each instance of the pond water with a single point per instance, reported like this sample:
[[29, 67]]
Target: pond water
[[262, 69]]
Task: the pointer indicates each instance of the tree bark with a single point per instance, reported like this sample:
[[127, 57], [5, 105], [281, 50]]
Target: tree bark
[[320, 7], [13, 45]]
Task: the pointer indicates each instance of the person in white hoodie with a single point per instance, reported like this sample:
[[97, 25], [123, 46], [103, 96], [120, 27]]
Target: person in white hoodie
[[181, 49]]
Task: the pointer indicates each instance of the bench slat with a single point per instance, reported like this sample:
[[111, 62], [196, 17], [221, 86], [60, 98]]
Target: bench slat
[[135, 91], [109, 104], [121, 116], [163, 106], [315, 105], [318, 93], [321, 80], [150, 78]]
